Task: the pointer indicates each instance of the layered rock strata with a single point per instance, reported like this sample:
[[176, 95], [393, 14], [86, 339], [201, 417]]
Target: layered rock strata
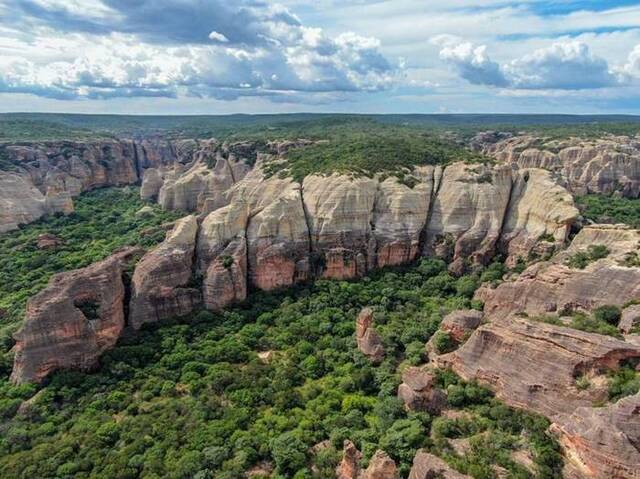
[[74, 320], [160, 284], [605, 165]]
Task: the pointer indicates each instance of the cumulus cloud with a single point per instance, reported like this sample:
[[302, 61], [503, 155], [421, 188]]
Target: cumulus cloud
[[186, 47], [632, 68], [470, 61], [561, 66]]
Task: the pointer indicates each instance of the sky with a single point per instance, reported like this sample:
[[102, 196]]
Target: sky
[[347, 56]]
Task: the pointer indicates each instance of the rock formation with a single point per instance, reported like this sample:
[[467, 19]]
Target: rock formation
[[418, 391], [368, 339], [460, 324], [428, 466], [605, 165], [535, 366], [630, 318], [602, 442], [381, 466], [554, 287], [159, 287], [73, 321]]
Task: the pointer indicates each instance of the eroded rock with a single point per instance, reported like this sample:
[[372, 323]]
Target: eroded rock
[[418, 391], [77, 317], [160, 284], [369, 341], [428, 466]]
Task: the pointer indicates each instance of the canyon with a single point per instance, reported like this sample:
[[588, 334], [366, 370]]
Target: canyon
[[246, 228]]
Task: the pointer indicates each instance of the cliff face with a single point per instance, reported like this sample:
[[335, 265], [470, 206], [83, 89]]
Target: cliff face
[[605, 165], [47, 176]]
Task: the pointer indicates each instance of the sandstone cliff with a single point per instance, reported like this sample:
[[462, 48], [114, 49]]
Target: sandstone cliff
[[73, 321], [604, 165]]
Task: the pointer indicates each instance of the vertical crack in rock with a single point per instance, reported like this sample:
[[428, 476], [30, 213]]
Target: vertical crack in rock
[[436, 182]]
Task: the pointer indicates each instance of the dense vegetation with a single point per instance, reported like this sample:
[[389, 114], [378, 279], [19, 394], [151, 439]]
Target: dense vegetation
[[368, 149], [104, 220], [192, 398], [610, 209], [42, 126]]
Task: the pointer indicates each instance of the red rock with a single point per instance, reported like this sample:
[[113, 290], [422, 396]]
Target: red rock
[[602, 442], [225, 282], [349, 467], [535, 366], [460, 324], [58, 334], [369, 341], [159, 287]]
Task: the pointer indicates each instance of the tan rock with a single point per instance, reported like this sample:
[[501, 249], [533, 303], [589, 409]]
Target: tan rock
[[381, 466], [551, 286], [630, 318], [152, 181], [20, 201], [538, 208], [418, 391], [339, 211], [69, 324], [369, 341], [460, 324], [535, 366], [349, 467], [159, 287], [468, 212], [602, 442], [428, 466], [48, 241]]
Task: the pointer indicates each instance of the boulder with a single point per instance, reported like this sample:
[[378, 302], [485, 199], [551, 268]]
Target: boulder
[[381, 466], [418, 391], [160, 284], [368, 339], [630, 318], [460, 324], [48, 241], [535, 365], [428, 466], [78, 316]]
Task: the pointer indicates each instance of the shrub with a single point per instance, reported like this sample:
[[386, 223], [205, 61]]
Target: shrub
[[608, 313], [443, 342]]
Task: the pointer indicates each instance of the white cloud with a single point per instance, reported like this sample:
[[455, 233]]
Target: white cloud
[[218, 37], [562, 66]]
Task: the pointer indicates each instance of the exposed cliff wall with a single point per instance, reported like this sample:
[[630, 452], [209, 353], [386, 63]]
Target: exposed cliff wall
[[605, 165]]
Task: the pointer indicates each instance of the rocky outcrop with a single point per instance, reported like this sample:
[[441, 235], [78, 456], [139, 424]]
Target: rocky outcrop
[[160, 284], [349, 467], [630, 318], [468, 212], [605, 165], [381, 466], [73, 321], [539, 216], [535, 366], [418, 391], [428, 466], [152, 181], [554, 287], [368, 339], [48, 241], [602, 442], [460, 324]]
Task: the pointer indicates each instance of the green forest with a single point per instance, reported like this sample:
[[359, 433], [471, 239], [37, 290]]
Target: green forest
[[194, 398]]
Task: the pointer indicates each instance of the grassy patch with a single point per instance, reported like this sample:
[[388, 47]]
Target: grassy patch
[[601, 208]]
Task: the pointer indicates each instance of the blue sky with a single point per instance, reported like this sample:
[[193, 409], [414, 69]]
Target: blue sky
[[254, 56]]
